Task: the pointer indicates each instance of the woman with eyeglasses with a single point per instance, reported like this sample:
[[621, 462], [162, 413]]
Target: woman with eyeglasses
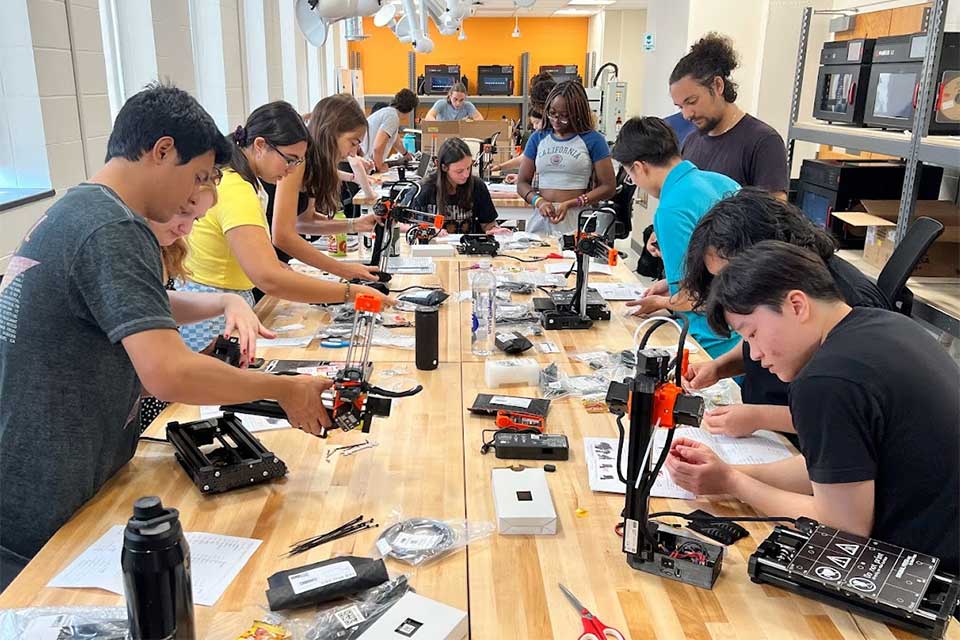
[[571, 160], [230, 247]]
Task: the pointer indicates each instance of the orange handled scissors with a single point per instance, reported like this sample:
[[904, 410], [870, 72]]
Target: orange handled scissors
[[593, 629]]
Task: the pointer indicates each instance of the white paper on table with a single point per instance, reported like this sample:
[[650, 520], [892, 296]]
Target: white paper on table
[[251, 423], [501, 187], [601, 454], [564, 266], [299, 341], [288, 327], [412, 265], [618, 290], [215, 560]]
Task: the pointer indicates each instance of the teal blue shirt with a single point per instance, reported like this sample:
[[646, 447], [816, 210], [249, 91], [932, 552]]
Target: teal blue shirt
[[686, 196]]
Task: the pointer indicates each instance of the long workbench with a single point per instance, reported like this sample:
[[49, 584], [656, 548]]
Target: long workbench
[[428, 464]]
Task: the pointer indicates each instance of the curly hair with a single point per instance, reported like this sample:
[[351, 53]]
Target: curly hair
[[740, 221], [331, 118], [578, 106], [710, 57]]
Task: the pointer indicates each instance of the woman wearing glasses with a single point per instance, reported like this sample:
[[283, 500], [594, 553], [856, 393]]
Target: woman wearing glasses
[[572, 162], [230, 247]]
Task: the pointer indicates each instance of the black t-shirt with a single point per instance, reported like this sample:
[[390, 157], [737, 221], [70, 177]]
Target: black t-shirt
[[455, 218], [878, 401], [762, 387], [752, 153]]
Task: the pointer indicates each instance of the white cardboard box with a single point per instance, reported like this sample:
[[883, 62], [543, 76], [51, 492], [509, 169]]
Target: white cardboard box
[[523, 503], [433, 250], [414, 616]]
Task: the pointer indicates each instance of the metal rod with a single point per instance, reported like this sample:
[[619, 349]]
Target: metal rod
[[798, 82]]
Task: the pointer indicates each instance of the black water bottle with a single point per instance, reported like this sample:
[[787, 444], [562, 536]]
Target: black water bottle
[[426, 329], [156, 573]]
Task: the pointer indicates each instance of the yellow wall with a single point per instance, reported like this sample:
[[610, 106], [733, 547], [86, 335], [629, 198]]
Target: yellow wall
[[383, 58]]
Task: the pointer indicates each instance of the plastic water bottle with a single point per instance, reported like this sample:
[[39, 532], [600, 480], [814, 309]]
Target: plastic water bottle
[[484, 317]]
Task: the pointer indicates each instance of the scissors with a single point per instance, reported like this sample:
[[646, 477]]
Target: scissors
[[593, 629]]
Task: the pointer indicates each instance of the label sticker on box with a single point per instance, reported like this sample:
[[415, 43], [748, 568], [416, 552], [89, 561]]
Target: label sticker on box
[[321, 577], [522, 403]]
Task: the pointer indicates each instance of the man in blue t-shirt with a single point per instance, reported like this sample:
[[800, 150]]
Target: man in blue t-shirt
[[648, 149]]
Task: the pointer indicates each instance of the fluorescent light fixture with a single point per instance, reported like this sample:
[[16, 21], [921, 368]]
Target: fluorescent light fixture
[[463, 33], [516, 27], [575, 12], [590, 3]]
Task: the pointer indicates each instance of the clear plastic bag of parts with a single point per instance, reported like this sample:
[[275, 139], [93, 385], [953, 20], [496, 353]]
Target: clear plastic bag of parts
[[516, 313], [65, 623], [417, 541], [351, 616], [555, 384], [721, 394]]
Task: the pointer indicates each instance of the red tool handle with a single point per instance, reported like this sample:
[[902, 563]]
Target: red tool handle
[[916, 93], [853, 89], [941, 88]]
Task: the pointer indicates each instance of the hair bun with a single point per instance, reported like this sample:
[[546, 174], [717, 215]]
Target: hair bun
[[240, 135], [718, 50]]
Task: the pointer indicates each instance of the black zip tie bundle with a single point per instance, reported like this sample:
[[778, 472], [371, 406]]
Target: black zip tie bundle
[[344, 530]]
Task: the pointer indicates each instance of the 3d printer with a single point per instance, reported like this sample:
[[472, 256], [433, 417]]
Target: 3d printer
[[579, 307]]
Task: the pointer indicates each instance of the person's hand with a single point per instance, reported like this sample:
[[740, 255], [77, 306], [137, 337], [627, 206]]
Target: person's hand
[[701, 375], [658, 288], [561, 210], [351, 270], [241, 321], [442, 233], [498, 231], [368, 164], [510, 178], [648, 304], [366, 222], [495, 167], [736, 420], [303, 404], [546, 209], [407, 155], [696, 468]]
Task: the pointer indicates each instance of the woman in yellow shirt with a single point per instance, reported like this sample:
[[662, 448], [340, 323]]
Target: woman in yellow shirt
[[230, 247]]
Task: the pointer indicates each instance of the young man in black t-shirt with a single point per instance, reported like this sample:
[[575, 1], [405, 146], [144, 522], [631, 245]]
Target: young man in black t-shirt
[[873, 398]]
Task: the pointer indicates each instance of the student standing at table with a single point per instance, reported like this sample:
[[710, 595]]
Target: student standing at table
[[454, 107], [571, 160], [647, 148], [230, 247], [86, 325], [452, 191], [873, 398], [727, 140], [732, 226], [384, 125], [337, 125], [540, 87]]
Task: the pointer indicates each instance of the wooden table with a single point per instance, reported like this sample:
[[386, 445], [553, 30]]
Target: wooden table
[[428, 464]]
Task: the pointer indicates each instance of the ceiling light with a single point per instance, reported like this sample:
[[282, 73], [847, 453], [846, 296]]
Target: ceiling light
[[590, 3], [575, 12], [516, 27], [463, 34]]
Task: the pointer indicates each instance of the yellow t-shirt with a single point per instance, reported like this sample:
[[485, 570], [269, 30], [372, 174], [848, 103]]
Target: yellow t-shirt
[[210, 259]]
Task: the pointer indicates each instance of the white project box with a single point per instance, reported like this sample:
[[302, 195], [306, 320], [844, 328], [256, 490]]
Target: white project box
[[522, 500], [414, 616]]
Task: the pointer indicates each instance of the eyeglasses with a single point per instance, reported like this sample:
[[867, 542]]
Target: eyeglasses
[[292, 161], [556, 118], [213, 180]]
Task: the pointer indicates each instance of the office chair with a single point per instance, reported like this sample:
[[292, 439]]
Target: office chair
[[904, 259]]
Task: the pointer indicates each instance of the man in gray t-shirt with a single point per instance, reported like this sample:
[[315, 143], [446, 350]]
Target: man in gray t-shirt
[[383, 127], [85, 323]]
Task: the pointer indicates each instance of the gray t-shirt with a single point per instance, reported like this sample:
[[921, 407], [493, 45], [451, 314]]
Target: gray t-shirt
[[752, 153], [446, 111], [86, 276], [386, 119]]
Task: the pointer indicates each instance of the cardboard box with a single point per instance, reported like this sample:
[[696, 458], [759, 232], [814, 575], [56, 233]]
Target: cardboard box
[[523, 503], [414, 616], [879, 219]]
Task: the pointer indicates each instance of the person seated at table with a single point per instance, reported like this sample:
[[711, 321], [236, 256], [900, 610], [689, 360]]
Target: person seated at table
[[648, 150], [383, 127], [337, 125], [87, 325], [454, 107], [731, 226], [571, 159], [540, 87], [451, 190], [230, 247], [873, 398]]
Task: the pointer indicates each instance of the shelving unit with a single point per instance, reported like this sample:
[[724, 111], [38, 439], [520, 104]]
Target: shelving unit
[[911, 145]]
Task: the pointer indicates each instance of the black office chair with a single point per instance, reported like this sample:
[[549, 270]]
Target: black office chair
[[904, 259]]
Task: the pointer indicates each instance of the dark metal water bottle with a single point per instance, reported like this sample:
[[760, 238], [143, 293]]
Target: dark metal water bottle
[[156, 573]]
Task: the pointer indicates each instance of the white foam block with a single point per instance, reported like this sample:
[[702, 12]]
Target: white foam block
[[512, 371], [433, 250]]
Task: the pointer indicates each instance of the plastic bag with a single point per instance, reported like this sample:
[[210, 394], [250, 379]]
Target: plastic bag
[[73, 623], [349, 620], [555, 384], [725, 392], [516, 312], [416, 541], [388, 338]]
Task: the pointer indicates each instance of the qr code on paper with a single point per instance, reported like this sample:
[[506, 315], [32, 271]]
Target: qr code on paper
[[349, 616]]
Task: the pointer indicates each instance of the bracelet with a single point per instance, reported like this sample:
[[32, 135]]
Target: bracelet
[[346, 292], [583, 200], [537, 198]]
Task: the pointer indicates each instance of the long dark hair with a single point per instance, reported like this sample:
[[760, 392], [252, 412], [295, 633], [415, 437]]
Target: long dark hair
[[331, 118], [739, 222], [276, 122], [710, 56], [452, 150], [578, 107]]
